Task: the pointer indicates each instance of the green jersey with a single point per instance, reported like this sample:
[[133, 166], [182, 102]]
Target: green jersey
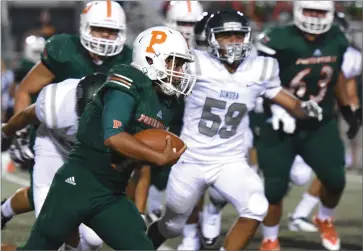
[[126, 102], [20, 72], [310, 70], [65, 56]]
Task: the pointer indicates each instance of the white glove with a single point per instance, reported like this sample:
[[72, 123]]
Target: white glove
[[19, 150], [312, 109], [280, 114]]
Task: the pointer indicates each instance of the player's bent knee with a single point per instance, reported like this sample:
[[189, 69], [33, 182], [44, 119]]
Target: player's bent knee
[[300, 175], [89, 236], [257, 207], [334, 184], [275, 190]]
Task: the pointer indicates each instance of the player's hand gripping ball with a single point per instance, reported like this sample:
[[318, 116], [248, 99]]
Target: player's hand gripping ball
[[156, 139]]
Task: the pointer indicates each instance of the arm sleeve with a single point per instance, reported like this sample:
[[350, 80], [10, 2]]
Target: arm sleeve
[[272, 82], [352, 63], [54, 54], [117, 112]]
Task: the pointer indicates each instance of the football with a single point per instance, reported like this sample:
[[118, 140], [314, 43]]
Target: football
[[156, 139]]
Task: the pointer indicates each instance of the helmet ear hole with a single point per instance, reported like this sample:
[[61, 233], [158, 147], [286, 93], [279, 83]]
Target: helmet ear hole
[[149, 60]]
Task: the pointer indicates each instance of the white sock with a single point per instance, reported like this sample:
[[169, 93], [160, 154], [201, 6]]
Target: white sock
[[306, 205], [325, 213], [255, 168], [6, 209], [270, 232], [84, 246], [155, 199], [222, 249], [190, 230]]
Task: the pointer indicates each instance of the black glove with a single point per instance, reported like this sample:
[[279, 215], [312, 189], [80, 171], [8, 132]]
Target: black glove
[[351, 119], [20, 151], [358, 116]]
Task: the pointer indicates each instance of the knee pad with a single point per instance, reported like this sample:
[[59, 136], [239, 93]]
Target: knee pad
[[275, 189], [257, 206], [300, 173], [171, 228], [88, 236], [216, 198]]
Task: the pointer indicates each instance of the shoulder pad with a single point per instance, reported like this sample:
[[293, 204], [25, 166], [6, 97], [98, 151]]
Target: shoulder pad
[[60, 48], [272, 40], [127, 78]]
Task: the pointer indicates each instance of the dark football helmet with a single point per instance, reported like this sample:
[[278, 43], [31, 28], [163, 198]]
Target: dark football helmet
[[233, 22], [86, 89], [199, 31]]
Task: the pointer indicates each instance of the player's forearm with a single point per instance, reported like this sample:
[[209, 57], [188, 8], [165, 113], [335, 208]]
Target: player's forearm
[[22, 100], [126, 145], [20, 121], [341, 92], [352, 93], [142, 188]]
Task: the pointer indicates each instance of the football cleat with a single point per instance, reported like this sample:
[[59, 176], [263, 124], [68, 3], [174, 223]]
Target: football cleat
[[301, 224]]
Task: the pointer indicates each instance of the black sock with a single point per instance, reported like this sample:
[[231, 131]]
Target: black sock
[[155, 236]]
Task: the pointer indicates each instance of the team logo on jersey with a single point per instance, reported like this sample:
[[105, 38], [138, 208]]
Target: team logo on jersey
[[317, 53], [116, 124], [150, 121], [160, 115]]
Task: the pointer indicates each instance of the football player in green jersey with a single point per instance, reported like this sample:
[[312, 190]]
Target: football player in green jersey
[[101, 45], [310, 55], [86, 189]]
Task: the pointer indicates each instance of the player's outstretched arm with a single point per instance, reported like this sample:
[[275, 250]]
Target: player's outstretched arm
[[143, 178], [344, 102], [117, 139], [38, 77], [297, 108], [20, 121]]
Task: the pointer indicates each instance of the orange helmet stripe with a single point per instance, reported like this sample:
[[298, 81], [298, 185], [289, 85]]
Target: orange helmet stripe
[[109, 9], [85, 10], [189, 4]]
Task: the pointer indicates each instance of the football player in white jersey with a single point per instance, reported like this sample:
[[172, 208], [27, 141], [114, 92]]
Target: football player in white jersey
[[182, 16], [215, 126], [57, 110], [352, 68]]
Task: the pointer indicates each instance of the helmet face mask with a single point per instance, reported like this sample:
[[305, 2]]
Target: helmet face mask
[[103, 28], [314, 17], [163, 55], [229, 36]]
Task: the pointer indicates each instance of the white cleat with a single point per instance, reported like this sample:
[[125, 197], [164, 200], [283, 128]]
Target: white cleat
[[329, 236], [301, 224]]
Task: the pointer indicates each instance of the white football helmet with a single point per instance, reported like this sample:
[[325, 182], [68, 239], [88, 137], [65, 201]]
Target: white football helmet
[[152, 47], [105, 14], [314, 25], [33, 48], [183, 15]]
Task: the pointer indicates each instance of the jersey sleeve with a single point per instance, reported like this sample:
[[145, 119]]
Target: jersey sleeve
[[269, 42], [270, 77], [43, 106], [56, 52], [55, 106], [122, 78], [352, 63], [117, 111]]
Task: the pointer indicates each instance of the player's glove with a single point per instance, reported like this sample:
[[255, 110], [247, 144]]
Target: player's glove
[[358, 116], [20, 151], [281, 116], [312, 109], [351, 119]]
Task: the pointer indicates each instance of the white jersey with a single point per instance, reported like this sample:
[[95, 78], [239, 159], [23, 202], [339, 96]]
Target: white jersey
[[215, 116], [352, 63], [56, 110]]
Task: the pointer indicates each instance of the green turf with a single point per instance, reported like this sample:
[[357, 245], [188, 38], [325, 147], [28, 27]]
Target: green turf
[[349, 221]]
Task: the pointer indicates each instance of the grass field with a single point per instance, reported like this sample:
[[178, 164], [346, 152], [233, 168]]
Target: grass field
[[349, 218]]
